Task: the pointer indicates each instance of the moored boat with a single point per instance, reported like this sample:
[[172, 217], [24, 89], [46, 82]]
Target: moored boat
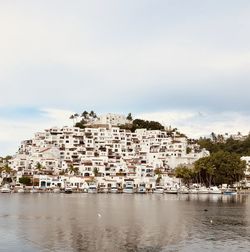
[[21, 190], [158, 190], [5, 189], [56, 190], [129, 186], [230, 191], [68, 190], [214, 190], [183, 190], [102, 189], [171, 190], [114, 189], [92, 188], [192, 191], [202, 190], [141, 188]]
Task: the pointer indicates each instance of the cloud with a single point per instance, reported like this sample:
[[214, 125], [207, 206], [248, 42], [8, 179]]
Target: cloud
[[179, 57], [92, 54], [196, 124]]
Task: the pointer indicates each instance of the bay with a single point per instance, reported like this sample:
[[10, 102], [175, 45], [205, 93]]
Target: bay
[[121, 222]]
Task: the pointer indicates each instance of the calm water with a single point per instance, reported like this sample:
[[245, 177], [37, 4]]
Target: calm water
[[109, 222]]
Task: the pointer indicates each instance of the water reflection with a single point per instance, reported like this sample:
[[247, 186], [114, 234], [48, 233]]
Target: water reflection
[[108, 222]]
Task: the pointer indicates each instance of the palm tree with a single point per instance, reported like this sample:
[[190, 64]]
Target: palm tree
[[72, 117], [92, 113], [7, 169], [39, 166], [84, 114], [214, 137], [73, 170], [129, 117], [96, 171], [76, 116]]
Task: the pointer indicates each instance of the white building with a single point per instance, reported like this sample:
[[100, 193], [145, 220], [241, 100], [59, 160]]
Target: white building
[[113, 119], [103, 152]]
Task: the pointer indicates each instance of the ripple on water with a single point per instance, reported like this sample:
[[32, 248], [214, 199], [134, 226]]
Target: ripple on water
[[127, 223]]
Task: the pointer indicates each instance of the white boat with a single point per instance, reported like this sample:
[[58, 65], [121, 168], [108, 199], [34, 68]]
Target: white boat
[[128, 190], [230, 191], [102, 189], [5, 189], [56, 190], [114, 189], [192, 191], [214, 190], [202, 190], [159, 190], [92, 188], [129, 186], [142, 188], [68, 189], [183, 190], [171, 190], [21, 190]]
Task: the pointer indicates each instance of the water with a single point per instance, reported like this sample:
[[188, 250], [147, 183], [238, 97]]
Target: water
[[110, 222]]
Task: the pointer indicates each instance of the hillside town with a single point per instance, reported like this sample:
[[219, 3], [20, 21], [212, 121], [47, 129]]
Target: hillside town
[[102, 154]]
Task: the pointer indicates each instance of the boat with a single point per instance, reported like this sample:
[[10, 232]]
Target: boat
[[68, 189], [229, 191], [192, 191], [159, 190], [171, 190], [183, 190], [202, 190], [103, 189], [129, 186], [114, 189], [5, 189], [21, 190], [142, 188], [33, 190], [214, 190], [92, 188], [56, 190]]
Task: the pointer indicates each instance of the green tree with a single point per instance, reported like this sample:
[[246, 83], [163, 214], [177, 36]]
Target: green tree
[[129, 117], [25, 180], [73, 170], [76, 116], [241, 147], [204, 171], [7, 169], [220, 168], [92, 114], [96, 171], [185, 173], [72, 117], [39, 167], [85, 114], [81, 124]]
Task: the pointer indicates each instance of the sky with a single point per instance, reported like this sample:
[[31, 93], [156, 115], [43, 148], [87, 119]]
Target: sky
[[182, 63]]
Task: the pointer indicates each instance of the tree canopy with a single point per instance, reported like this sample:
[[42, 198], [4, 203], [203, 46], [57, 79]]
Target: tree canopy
[[25, 180], [142, 124], [129, 117], [218, 168], [241, 147]]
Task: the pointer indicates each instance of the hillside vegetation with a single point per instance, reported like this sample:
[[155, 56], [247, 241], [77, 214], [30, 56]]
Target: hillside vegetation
[[240, 147]]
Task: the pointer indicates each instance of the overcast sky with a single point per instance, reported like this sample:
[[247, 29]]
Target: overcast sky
[[183, 63]]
